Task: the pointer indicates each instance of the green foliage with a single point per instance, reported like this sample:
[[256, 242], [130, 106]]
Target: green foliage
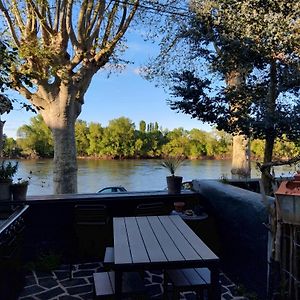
[[126, 142], [172, 163], [10, 148], [118, 139], [7, 170], [232, 69], [94, 136], [46, 262], [35, 139], [81, 133]]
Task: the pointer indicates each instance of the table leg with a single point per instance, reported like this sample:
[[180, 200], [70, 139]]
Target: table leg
[[118, 284], [215, 282]]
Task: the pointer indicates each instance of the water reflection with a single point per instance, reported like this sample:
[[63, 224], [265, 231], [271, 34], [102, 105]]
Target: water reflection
[[134, 175]]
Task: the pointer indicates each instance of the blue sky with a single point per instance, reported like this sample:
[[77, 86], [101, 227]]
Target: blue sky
[[122, 94]]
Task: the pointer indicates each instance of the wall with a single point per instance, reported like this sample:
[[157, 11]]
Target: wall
[[51, 225], [240, 216]]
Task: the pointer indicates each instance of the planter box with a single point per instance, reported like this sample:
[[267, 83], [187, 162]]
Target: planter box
[[288, 198]]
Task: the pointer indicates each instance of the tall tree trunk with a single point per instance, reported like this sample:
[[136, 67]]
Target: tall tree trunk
[[65, 160], [268, 154], [1, 137], [270, 129], [240, 167], [60, 115]]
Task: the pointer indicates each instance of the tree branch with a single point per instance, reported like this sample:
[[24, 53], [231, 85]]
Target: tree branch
[[40, 17], [81, 23], [108, 49], [263, 167], [10, 24]]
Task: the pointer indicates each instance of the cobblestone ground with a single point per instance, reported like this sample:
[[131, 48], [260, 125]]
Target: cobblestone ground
[[57, 285]]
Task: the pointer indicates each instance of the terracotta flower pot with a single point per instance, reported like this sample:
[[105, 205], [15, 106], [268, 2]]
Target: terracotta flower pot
[[179, 206]]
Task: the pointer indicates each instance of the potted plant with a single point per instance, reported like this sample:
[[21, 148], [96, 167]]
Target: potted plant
[[7, 171], [173, 182], [19, 189]]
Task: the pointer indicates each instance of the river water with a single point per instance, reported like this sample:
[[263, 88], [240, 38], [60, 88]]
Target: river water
[[134, 175]]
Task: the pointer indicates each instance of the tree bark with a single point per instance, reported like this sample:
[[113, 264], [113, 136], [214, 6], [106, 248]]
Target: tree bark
[[240, 166], [270, 130], [60, 115], [65, 162], [1, 137]]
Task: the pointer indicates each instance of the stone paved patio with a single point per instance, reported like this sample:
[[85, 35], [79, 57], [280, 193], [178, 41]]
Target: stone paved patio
[[56, 285]]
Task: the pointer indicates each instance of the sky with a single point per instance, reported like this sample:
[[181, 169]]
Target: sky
[[121, 94]]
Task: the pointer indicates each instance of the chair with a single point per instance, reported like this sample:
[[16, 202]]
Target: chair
[[152, 209], [91, 232], [192, 279]]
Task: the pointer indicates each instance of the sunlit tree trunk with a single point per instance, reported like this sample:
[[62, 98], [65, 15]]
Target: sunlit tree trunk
[[1, 137], [60, 116], [240, 167]]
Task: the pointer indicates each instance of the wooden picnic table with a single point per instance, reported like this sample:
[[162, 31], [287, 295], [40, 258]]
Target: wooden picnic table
[[160, 242]]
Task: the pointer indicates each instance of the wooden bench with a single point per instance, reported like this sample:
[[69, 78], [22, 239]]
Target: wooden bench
[[108, 261], [132, 285], [192, 279]]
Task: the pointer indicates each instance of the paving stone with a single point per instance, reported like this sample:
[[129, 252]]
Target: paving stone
[[63, 268], [31, 290], [41, 274], [73, 282], [88, 296], [48, 282], [147, 281], [30, 280], [90, 279], [62, 274], [77, 290], [154, 289], [88, 266], [233, 289], [227, 296], [157, 279], [225, 280], [83, 273], [50, 293], [224, 290], [81, 286], [190, 296], [157, 272]]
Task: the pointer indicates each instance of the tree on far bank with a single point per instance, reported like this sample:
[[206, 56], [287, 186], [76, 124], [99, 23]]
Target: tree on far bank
[[95, 133], [61, 46], [118, 139], [81, 137], [35, 139]]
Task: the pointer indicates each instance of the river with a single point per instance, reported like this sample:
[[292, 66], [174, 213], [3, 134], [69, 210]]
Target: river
[[134, 175]]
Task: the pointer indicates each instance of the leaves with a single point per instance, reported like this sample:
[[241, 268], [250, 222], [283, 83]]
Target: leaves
[[172, 163]]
